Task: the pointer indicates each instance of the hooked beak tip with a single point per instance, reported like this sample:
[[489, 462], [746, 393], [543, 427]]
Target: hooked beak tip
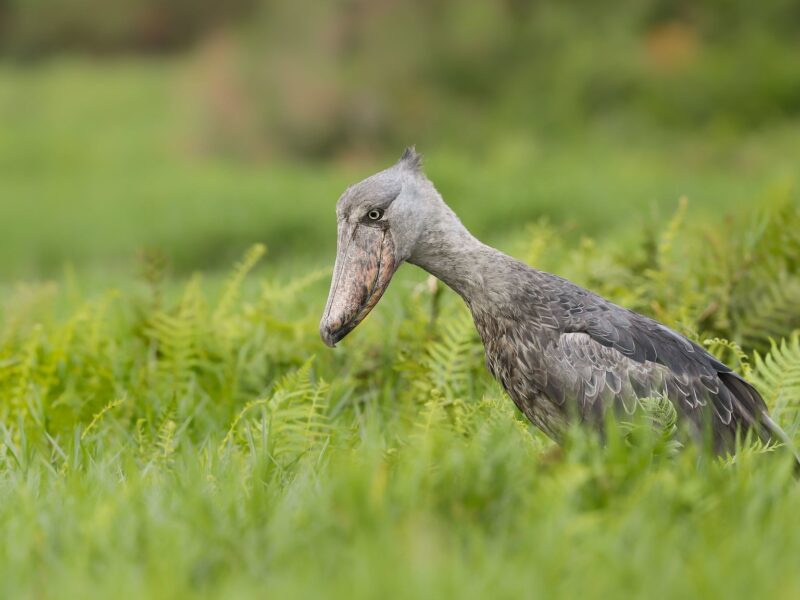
[[329, 336], [332, 332]]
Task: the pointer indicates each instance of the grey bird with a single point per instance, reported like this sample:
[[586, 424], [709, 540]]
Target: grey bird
[[562, 353]]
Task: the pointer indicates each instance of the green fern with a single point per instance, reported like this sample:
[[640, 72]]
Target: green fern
[[777, 377], [755, 448], [728, 351], [764, 294], [166, 441], [99, 416], [284, 292], [540, 237], [153, 268], [233, 287], [655, 416], [22, 378], [176, 341], [295, 421], [429, 419], [451, 359], [441, 370], [668, 237], [772, 314]]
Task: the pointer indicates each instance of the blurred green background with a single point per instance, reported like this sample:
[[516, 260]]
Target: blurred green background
[[198, 128]]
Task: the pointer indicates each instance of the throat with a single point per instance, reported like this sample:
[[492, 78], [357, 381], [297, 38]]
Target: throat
[[469, 267]]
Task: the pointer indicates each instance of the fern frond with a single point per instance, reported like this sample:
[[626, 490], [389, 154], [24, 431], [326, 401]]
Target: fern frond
[[429, 419], [442, 369], [450, 360], [141, 438], [166, 442], [153, 267], [98, 416], [654, 416], [764, 293], [754, 448], [541, 236], [666, 240], [22, 376], [273, 292], [775, 311], [726, 349], [297, 417], [235, 423], [177, 340], [777, 376], [233, 287]]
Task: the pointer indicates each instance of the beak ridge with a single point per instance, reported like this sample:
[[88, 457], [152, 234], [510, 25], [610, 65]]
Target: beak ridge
[[365, 263]]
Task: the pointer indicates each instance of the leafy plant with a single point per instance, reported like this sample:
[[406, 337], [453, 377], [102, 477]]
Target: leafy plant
[[196, 440], [777, 376]]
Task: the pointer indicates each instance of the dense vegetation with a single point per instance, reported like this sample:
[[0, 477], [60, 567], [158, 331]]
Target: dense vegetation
[[165, 442], [162, 439]]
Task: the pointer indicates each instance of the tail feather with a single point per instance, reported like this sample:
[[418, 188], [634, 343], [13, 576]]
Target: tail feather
[[752, 415]]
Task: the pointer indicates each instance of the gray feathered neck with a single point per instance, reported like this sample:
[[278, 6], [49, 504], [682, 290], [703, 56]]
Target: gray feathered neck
[[480, 274]]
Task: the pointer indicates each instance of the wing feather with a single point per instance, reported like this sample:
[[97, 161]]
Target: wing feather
[[688, 375], [562, 351]]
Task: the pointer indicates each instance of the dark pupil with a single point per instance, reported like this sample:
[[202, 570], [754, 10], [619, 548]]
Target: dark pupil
[[374, 215]]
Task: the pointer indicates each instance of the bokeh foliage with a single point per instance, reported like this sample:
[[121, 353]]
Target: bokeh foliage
[[316, 79], [100, 160]]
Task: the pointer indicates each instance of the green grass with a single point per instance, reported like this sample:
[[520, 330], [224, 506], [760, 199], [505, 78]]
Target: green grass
[[164, 435], [166, 442]]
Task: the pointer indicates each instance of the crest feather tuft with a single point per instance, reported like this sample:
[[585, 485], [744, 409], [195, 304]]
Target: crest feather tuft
[[412, 159]]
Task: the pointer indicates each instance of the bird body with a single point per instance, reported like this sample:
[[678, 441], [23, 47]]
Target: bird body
[[561, 352]]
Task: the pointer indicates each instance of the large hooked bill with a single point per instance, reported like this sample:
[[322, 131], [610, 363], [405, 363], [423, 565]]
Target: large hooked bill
[[365, 263]]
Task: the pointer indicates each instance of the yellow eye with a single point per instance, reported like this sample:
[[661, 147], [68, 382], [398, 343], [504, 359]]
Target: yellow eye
[[375, 214]]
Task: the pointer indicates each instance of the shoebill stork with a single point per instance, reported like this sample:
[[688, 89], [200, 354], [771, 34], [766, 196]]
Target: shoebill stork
[[560, 351]]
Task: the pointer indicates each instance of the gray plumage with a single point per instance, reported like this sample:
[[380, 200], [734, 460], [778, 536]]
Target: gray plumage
[[561, 352]]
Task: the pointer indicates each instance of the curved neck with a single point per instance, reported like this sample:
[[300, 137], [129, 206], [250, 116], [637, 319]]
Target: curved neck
[[475, 271]]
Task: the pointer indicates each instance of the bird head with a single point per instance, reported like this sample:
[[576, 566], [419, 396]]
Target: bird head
[[380, 220]]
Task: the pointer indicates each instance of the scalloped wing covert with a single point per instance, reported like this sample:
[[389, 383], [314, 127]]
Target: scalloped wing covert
[[562, 352]]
